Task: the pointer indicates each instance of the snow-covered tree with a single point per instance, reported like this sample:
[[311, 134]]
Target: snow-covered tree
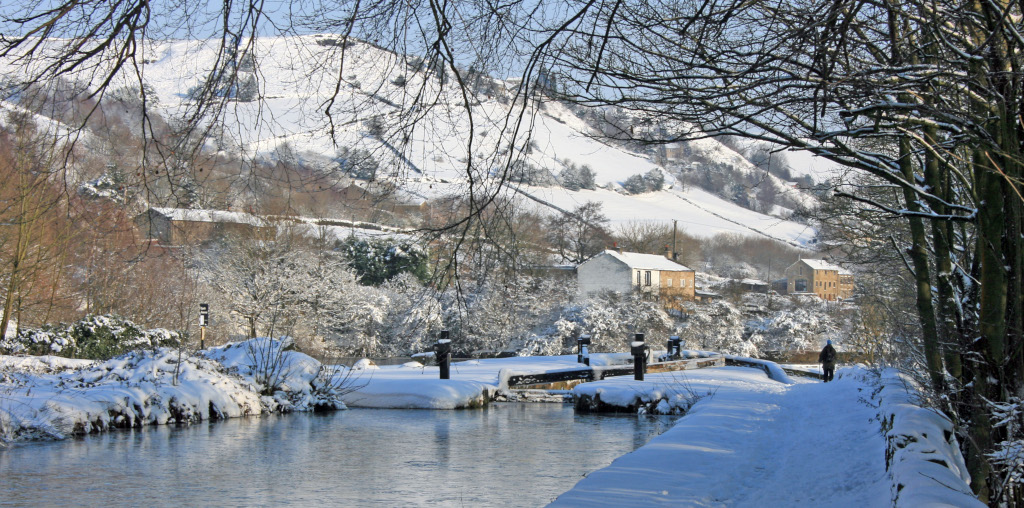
[[414, 316], [635, 185], [376, 261], [255, 278], [612, 320], [575, 177]]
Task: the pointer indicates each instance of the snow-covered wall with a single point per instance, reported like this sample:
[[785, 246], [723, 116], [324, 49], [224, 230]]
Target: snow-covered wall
[[922, 453], [603, 273]]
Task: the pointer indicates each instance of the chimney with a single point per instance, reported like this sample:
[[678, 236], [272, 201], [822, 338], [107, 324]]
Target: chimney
[[616, 248], [669, 254]]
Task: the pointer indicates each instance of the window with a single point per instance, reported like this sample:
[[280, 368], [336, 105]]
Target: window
[[669, 282], [638, 277], [647, 278]]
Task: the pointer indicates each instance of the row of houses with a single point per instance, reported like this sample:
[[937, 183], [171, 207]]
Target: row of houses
[[671, 282]]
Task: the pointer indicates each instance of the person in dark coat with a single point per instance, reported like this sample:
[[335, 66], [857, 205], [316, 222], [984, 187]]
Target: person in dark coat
[[827, 359]]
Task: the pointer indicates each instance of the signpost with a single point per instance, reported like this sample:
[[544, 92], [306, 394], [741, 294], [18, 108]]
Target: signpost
[[204, 320]]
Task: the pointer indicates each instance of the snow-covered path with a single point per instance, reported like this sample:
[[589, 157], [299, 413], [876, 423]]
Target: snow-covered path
[[819, 446], [754, 442]]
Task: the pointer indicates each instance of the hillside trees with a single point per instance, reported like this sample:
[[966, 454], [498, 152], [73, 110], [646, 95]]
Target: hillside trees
[[35, 233], [575, 177]]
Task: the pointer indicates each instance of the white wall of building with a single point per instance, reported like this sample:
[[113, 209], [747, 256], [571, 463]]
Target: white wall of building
[[604, 273]]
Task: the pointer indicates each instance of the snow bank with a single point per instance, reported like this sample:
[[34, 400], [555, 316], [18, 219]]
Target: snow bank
[[772, 369], [53, 398], [132, 390], [663, 394], [922, 453], [421, 393]]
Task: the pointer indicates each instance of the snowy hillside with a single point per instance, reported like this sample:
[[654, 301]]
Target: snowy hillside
[[286, 105]]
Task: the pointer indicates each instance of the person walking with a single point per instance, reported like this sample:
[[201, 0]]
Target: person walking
[[827, 359]]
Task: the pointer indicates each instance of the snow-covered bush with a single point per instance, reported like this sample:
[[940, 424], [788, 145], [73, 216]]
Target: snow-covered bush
[[287, 379], [612, 319], [95, 337]]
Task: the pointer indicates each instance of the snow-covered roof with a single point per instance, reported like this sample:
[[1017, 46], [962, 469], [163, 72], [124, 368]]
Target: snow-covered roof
[[821, 264], [219, 216], [339, 228], [647, 261]]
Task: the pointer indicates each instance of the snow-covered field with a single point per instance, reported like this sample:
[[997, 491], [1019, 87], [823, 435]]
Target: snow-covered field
[[746, 439]]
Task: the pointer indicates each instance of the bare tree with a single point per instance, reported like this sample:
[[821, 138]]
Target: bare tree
[[580, 234], [34, 232]]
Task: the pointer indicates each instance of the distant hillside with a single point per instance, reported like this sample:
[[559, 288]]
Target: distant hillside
[[377, 130]]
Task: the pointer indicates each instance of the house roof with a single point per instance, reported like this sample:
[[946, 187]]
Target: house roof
[[821, 264], [219, 216], [647, 261]]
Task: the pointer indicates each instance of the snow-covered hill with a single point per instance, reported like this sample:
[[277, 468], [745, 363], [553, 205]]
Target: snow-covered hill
[[287, 88]]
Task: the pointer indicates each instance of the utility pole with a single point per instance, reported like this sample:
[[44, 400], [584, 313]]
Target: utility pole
[[675, 254]]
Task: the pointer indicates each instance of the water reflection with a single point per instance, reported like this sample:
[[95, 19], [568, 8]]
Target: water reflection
[[513, 454]]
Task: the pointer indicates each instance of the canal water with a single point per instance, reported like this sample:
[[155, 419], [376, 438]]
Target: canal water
[[506, 454]]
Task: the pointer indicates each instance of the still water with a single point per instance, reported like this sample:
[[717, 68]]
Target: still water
[[507, 454]]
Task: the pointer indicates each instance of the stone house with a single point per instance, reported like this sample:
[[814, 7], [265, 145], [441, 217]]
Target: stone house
[[624, 272], [830, 282], [182, 226]]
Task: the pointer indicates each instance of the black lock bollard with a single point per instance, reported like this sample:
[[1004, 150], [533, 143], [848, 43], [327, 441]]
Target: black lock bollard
[[443, 354], [675, 347], [639, 350], [584, 355]]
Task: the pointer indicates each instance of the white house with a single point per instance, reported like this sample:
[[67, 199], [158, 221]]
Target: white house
[[624, 272]]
